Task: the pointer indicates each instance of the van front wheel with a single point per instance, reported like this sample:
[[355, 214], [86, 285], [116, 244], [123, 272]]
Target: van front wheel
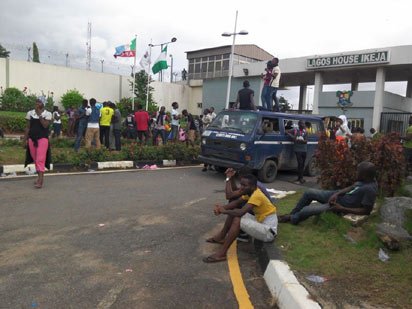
[[268, 172]]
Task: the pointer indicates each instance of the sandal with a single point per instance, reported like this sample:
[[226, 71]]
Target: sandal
[[214, 241], [38, 185], [212, 259]]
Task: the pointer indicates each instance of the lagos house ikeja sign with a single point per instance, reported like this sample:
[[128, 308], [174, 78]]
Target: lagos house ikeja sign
[[377, 57]]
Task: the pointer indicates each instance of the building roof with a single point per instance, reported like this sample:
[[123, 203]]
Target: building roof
[[247, 50], [296, 71]]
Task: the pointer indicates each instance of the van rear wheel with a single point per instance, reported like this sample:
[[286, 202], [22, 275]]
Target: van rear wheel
[[268, 172]]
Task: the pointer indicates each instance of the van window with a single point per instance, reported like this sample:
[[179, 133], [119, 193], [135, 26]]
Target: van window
[[312, 127], [235, 121], [270, 125]]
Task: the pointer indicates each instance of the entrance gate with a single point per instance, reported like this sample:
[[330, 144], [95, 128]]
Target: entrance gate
[[394, 122]]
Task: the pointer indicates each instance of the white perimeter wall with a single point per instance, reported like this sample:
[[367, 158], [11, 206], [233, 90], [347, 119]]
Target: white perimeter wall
[[38, 77]]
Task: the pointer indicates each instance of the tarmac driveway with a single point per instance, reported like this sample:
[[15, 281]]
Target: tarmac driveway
[[117, 240]]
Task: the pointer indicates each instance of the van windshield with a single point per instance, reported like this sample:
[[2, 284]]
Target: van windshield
[[234, 121]]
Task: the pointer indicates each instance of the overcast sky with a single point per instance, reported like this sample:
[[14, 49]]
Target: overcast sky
[[283, 28]]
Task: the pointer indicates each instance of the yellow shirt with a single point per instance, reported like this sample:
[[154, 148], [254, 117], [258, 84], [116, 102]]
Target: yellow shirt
[[106, 116], [262, 206]]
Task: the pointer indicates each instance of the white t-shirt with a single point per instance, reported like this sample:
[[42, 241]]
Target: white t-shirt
[[175, 122], [58, 115], [275, 81], [32, 114]]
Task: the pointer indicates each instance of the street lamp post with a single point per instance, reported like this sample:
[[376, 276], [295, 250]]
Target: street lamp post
[[150, 63], [102, 61], [229, 79], [171, 68]]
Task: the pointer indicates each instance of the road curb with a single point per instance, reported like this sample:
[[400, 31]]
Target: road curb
[[13, 169], [280, 280]]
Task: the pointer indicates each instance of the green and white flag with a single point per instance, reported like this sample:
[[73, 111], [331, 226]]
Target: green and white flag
[[161, 63]]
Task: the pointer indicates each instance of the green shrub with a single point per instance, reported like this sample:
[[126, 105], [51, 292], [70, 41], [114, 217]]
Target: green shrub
[[13, 123], [71, 98], [180, 152], [338, 163], [14, 99]]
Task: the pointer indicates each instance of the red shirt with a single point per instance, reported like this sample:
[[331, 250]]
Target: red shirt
[[142, 120]]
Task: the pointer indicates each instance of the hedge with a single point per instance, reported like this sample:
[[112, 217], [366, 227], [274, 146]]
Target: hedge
[[15, 122]]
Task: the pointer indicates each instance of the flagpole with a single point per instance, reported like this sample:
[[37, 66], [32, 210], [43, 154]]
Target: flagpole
[[133, 72], [148, 75]]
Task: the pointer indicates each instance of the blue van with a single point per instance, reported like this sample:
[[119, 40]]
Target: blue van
[[257, 140]]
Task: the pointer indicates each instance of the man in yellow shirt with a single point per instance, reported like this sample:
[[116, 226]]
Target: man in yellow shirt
[[262, 225], [105, 119]]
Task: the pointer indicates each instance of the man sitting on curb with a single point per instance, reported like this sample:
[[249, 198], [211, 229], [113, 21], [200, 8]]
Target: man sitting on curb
[[357, 199], [262, 225], [233, 192]]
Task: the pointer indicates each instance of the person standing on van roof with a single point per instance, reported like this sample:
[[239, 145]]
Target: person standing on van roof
[[262, 225], [245, 100], [266, 91], [212, 113], [274, 83], [300, 147]]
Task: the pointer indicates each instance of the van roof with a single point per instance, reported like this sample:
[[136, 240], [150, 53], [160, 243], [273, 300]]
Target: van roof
[[285, 115]]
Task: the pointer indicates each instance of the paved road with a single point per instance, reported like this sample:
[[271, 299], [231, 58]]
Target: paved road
[[118, 240]]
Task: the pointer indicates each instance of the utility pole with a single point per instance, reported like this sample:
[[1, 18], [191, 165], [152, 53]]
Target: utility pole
[[89, 46], [67, 59], [171, 68], [28, 53], [102, 61]]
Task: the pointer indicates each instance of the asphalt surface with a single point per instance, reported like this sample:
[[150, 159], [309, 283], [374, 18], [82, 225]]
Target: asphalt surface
[[119, 240]]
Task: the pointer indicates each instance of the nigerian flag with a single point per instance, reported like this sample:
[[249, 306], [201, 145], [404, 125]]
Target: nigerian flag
[[161, 63]]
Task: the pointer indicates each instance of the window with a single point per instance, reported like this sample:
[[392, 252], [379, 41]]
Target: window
[[211, 58], [270, 126], [197, 68], [204, 67], [191, 68], [199, 105], [225, 65], [218, 67], [210, 66]]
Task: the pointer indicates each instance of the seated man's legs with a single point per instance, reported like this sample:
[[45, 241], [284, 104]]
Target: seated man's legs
[[321, 196], [229, 233], [263, 231], [307, 211]]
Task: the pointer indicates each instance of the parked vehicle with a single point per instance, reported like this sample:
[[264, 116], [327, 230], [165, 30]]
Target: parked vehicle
[[257, 140]]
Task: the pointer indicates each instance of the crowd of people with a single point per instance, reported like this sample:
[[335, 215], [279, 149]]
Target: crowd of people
[[102, 125]]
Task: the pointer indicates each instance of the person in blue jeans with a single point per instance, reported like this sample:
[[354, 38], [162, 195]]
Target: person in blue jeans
[[82, 124], [267, 89], [357, 199]]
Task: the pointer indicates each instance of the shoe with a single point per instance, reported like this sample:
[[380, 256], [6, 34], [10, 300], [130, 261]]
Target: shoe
[[243, 238], [302, 181], [284, 218]]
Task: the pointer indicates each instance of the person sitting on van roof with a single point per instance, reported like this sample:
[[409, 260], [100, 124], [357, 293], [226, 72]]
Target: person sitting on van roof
[[357, 199], [262, 225]]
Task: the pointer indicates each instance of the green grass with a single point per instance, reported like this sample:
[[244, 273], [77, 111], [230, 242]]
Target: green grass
[[318, 246]]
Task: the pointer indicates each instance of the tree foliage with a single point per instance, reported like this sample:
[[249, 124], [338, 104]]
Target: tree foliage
[[284, 104], [72, 98], [36, 57], [140, 91], [4, 53]]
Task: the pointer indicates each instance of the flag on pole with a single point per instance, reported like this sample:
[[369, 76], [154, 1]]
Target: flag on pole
[[161, 62], [145, 62], [128, 50]]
